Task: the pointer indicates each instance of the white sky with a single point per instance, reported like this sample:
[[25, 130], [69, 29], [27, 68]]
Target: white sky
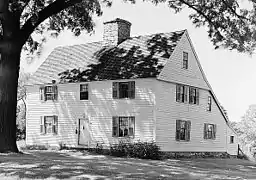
[[232, 75]]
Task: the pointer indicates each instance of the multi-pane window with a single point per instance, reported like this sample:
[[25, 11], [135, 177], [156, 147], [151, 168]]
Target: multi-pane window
[[231, 139], [193, 95], [209, 131], [124, 90], [49, 124], [181, 93], [48, 93], [183, 130], [84, 92], [209, 103], [185, 60], [123, 126]]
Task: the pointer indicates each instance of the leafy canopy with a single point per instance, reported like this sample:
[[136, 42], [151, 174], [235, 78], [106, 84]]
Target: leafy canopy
[[229, 24]]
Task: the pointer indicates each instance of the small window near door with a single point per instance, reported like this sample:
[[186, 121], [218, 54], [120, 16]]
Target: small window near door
[[84, 92], [232, 139]]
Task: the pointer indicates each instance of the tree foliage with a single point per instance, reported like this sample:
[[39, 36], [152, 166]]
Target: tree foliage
[[246, 128]]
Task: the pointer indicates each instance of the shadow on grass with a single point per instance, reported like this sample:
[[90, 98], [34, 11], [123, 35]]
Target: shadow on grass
[[84, 165]]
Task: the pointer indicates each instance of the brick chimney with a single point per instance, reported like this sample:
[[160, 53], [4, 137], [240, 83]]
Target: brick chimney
[[116, 31]]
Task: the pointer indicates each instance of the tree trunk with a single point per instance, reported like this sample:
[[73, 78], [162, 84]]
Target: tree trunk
[[9, 74]]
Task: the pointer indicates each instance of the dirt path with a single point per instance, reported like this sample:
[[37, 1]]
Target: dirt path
[[78, 165]]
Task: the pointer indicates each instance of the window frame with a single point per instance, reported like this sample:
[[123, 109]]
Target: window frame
[[116, 90], [186, 130], [84, 92], [211, 136], [232, 140], [44, 94], [209, 104], [53, 126], [185, 60], [181, 93], [194, 95], [117, 123]]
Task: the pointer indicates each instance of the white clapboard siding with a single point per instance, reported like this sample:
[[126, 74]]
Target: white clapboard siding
[[174, 72], [232, 148], [168, 111], [99, 110]]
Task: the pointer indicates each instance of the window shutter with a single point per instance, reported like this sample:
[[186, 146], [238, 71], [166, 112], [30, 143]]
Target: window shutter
[[115, 90], [55, 91], [197, 96], [205, 130], [115, 126], [185, 94], [42, 127], [131, 126], [41, 93], [190, 94], [178, 88], [178, 122], [188, 126], [131, 89], [55, 125], [214, 131]]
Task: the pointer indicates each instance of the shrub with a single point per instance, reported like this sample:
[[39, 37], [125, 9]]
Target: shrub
[[143, 150], [35, 147]]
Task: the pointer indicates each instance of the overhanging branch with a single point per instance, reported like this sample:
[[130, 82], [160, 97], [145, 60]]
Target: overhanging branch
[[52, 9]]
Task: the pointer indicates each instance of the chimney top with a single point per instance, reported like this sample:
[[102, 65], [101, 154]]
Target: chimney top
[[118, 20], [116, 31]]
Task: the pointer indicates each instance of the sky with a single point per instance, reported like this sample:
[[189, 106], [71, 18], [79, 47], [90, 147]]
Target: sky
[[232, 75]]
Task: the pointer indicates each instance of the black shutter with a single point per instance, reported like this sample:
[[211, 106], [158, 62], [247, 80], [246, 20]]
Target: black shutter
[[55, 93], [214, 131], [115, 126], [131, 89], [115, 90], [205, 130], [188, 127], [197, 96], [178, 93], [185, 94], [178, 122]]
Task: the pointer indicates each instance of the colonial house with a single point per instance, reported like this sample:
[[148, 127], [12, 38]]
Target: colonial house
[[146, 88]]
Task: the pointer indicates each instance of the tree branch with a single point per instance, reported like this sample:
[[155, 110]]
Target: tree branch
[[233, 10], [52, 9]]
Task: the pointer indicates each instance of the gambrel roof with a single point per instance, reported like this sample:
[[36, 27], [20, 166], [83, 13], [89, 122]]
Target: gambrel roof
[[136, 57]]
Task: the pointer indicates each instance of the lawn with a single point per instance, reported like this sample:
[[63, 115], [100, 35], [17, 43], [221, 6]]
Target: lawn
[[68, 164]]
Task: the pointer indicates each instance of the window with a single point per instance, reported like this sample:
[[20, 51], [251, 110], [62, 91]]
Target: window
[[209, 104], [209, 131], [181, 93], [124, 90], [49, 124], [183, 130], [83, 91], [231, 139], [123, 126], [185, 60], [193, 95], [48, 93]]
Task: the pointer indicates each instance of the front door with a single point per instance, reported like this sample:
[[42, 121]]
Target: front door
[[83, 134]]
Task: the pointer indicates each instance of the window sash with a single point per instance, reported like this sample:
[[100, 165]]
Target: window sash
[[185, 60], [48, 93], [122, 90], [123, 126], [209, 104], [183, 130], [49, 124], [83, 87], [209, 131]]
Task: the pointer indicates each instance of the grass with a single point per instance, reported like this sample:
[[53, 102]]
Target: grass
[[67, 164]]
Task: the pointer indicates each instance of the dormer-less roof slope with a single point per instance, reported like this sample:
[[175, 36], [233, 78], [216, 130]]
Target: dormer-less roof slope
[[136, 57]]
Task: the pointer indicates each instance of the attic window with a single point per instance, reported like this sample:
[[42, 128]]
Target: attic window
[[185, 60]]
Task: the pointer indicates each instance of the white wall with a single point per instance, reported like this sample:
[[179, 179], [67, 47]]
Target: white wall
[[99, 109], [232, 148], [168, 111]]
